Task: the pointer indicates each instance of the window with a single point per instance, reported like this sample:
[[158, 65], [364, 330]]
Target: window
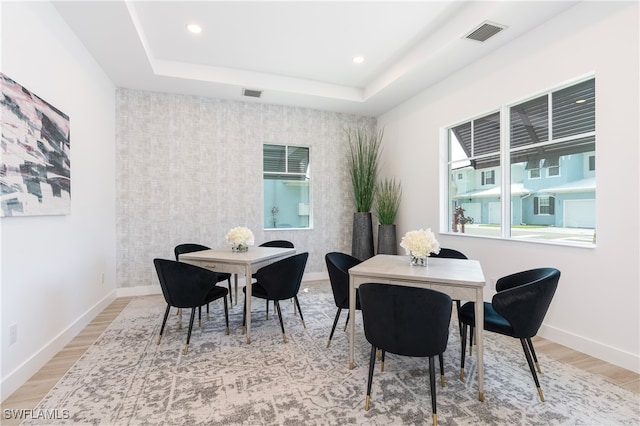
[[474, 153], [489, 177], [544, 187], [286, 187], [543, 205]]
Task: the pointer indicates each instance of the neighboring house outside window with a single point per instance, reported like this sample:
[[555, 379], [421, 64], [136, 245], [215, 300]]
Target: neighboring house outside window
[[548, 187], [286, 179]]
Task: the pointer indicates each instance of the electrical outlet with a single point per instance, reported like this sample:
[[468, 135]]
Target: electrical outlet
[[102, 279], [492, 283], [13, 334]]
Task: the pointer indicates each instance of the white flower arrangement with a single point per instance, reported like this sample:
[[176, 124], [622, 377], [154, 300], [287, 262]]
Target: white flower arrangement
[[420, 243], [240, 237]]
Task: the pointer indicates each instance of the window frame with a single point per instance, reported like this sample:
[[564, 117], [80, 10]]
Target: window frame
[[505, 184], [307, 175]]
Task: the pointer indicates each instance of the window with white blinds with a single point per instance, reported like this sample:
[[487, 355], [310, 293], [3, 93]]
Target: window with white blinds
[[286, 178]]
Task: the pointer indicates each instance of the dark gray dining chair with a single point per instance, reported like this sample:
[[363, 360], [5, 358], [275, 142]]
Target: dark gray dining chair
[[278, 281], [517, 310], [188, 286], [407, 321]]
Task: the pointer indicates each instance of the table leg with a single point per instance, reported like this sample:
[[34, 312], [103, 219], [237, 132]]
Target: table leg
[[235, 279], [352, 320], [247, 277], [479, 305]]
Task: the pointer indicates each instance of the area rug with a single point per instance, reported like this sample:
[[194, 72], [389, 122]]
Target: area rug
[[126, 378]]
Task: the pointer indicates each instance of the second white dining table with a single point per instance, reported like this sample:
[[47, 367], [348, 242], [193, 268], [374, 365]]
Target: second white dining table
[[246, 263], [461, 279]]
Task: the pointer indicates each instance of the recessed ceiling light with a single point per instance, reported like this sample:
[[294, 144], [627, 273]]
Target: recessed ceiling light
[[358, 60], [194, 28], [581, 101]]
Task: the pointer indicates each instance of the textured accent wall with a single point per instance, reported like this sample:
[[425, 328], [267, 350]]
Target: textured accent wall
[[189, 168]]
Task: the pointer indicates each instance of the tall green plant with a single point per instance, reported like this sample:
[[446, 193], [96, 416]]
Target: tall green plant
[[364, 155], [388, 197]]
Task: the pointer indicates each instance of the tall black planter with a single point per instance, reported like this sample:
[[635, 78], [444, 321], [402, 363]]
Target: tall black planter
[[387, 242], [362, 240]]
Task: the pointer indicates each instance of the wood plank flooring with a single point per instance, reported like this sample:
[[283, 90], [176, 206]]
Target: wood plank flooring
[[30, 394]]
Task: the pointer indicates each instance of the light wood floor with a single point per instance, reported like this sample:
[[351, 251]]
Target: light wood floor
[[30, 394]]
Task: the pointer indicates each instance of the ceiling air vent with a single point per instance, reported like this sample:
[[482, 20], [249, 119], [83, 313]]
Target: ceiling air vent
[[251, 93], [484, 31]]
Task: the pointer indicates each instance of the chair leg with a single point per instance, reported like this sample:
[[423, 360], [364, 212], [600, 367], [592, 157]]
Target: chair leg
[[230, 298], [382, 360], [207, 312], [193, 316], [471, 331], [268, 308], [226, 313], [199, 316], [441, 359], [333, 329], [346, 322], [525, 348], [179, 318], [432, 384], [463, 343], [277, 304], [372, 363], [164, 322], [458, 315], [533, 353], [297, 303]]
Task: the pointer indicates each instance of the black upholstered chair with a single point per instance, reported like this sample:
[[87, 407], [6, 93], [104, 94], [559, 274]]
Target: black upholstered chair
[[275, 243], [278, 281], [338, 265], [453, 254], [406, 321], [278, 243], [517, 310], [190, 248], [188, 286]]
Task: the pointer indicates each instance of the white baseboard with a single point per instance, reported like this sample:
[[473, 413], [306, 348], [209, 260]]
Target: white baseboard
[[590, 347], [12, 381]]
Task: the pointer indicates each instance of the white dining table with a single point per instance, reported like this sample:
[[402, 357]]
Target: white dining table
[[246, 263], [461, 279]]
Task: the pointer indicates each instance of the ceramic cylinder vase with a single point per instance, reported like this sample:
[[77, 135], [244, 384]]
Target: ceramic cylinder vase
[[362, 238]]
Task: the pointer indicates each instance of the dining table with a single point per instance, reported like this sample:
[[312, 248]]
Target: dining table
[[462, 279], [245, 263]]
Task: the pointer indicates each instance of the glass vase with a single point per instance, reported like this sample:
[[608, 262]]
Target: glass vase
[[240, 248], [418, 261]]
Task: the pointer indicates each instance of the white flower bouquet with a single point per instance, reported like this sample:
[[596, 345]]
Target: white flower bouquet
[[420, 243], [240, 238]]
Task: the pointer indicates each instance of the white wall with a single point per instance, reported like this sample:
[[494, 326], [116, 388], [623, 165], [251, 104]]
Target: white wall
[[52, 266], [596, 308]]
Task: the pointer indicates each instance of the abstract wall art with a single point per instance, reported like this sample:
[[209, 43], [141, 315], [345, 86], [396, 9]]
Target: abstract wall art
[[35, 169]]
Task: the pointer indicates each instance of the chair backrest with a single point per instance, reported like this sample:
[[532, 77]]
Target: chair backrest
[[450, 254], [403, 320], [278, 243], [523, 299], [338, 265], [183, 285], [281, 280], [188, 248]]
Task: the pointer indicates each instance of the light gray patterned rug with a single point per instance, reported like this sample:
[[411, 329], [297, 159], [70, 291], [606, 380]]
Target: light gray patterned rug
[[125, 378]]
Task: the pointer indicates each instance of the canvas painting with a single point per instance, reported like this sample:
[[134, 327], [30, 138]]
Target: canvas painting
[[35, 169]]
